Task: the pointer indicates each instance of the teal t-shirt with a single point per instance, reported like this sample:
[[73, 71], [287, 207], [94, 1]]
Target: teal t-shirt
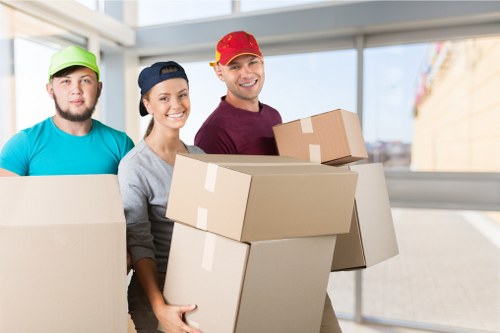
[[45, 150]]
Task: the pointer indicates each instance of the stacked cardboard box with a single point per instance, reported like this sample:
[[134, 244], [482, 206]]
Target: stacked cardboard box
[[332, 138], [255, 239], [335, 138], [62, 255], [253, 198]]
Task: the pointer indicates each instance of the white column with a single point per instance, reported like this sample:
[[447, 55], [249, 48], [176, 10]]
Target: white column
[[7, 80]]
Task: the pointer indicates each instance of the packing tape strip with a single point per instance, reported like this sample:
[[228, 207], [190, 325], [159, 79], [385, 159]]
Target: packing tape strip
[[207, 261], [202, 218], [306, 125], [211, 177], [315, 153]]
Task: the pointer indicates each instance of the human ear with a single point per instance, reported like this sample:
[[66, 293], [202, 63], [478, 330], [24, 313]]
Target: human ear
[[50, 89], [218, 72], [99, 89], [147, 105]]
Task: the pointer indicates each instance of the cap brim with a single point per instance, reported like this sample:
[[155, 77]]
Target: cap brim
[[236, 56], [65, 65]]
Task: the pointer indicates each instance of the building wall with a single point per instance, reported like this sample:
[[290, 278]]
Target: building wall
[[457, 117]]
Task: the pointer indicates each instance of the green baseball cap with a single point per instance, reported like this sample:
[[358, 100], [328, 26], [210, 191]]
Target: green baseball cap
[[72, 56]]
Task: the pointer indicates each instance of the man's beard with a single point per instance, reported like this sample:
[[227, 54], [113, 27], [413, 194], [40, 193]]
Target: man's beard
[[74, 117]]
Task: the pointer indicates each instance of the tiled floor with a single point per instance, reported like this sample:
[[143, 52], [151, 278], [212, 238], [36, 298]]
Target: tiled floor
[[352, 327], [446, 275]]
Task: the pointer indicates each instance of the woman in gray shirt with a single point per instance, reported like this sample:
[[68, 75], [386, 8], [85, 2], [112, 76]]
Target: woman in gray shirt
[[145, 175]]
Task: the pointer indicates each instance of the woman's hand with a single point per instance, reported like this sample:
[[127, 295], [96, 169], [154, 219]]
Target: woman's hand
[[170, 316]]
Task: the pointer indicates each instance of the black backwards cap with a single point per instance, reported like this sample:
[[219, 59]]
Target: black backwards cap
[[150, 76]]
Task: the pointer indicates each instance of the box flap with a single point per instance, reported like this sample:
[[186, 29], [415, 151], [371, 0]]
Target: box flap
[[43, 200], [349, 252], [374, 213]]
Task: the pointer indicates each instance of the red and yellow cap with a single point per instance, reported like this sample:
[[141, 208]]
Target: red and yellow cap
[[234, 44]]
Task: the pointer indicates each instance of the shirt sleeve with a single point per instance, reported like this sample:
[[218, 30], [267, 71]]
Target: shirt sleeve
[[134, 194], [215, 140], [129, 144], [15, 155]]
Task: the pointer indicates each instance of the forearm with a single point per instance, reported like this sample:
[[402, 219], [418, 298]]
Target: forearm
[[146, 270]]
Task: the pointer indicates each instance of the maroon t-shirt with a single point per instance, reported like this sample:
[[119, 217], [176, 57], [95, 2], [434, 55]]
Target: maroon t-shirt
[[229, 130]]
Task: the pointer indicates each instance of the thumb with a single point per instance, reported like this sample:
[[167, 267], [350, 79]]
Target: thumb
[[188, 308]]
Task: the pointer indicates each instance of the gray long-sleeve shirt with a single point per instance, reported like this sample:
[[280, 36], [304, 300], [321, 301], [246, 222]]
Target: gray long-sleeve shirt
[[145, 186]]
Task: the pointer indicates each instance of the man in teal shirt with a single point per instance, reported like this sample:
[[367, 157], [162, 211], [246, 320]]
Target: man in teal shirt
[[70, 142]]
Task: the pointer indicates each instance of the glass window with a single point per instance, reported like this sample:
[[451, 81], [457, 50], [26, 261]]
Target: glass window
[[151, 12], [457, 108], [33, 104], [92, 4], [434, 107], [390, 86], [306, 84], [249, 5]]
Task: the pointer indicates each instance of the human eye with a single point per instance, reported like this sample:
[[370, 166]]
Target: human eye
[[255, 61], [234, 67], [184, 94], [164, 99]]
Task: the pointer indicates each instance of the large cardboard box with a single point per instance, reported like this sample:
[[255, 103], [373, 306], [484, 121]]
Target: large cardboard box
[[372, 238], [251, 198], [266, 286], [332, 138], [62, 255]]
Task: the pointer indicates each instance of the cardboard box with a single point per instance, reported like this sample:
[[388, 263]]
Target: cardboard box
[[62, 255], [251, 198], [266, 286], [332, 138], [372, 238]]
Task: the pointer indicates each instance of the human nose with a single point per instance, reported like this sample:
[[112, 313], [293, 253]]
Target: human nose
[[175, 103], [76, 88], [245, 70]]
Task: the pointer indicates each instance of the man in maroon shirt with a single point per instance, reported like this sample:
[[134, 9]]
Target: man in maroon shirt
[[241, 124]]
